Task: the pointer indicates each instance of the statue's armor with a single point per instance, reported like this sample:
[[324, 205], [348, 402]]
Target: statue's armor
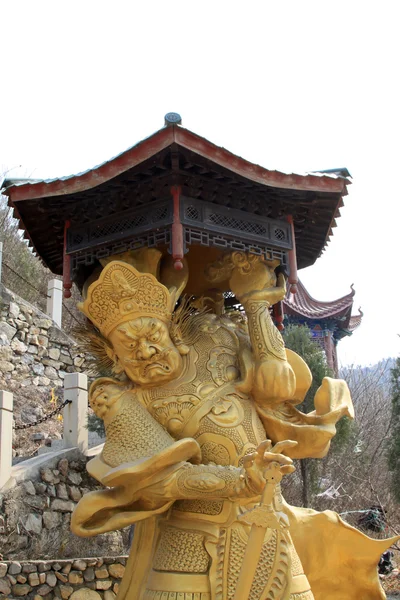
[[172, 462], [202, 539]]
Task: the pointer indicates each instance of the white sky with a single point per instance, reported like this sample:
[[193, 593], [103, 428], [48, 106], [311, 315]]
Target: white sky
[[293, 86]]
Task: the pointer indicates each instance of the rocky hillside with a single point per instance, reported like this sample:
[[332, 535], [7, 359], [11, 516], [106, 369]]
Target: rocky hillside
[[35, 516], [34, 357]]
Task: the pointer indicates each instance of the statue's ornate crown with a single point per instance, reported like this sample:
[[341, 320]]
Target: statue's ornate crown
[[122, 294]]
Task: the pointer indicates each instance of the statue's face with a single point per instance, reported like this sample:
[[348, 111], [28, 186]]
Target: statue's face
[[146, 352]]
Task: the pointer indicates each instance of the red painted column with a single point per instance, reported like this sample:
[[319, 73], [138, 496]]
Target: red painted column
[[293, 278], [278, 315], [335, 361], [177, 229], [328, 343], [67, 283]]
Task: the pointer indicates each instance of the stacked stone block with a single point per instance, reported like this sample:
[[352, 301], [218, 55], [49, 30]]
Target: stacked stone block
[[72, 579], [35, 517]]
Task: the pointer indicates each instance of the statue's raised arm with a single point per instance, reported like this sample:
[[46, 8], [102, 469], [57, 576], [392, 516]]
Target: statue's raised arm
[[277, 378]]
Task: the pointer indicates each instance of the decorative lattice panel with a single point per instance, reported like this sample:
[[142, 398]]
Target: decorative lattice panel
[[123, 225], [205, 224], [151, 240], [239, 224], [206, 238]]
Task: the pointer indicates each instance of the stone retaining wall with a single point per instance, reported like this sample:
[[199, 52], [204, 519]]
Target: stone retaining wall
[[35, 355], [35, 516], [33, 350], [73, 579]]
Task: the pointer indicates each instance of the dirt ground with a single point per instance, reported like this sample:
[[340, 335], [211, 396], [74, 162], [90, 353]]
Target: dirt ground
[[391, 584]]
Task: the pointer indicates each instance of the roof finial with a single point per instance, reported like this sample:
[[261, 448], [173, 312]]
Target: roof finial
[[172, 119]]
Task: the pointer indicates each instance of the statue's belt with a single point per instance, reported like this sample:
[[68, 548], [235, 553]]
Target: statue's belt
[[218, 512]]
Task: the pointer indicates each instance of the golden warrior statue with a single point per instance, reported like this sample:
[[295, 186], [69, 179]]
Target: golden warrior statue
[[201, 425]]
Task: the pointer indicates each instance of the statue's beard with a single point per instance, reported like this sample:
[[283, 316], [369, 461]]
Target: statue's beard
[[156, 365]]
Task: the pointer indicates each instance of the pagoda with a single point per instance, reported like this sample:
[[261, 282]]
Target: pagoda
[[328, 322], [186, 196]]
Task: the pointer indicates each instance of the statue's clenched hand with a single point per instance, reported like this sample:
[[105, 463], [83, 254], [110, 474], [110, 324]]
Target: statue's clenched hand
[[257, 463], [254, 282], [272, 295], [253, 278], [274, 382], [250, 276]]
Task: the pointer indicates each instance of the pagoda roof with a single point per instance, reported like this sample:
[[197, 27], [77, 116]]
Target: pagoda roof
[[303, 305], [144, 173], [355, 321]]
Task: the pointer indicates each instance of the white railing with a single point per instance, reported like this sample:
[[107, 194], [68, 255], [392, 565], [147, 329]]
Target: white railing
[[54, 300], [75, 433], [6, 434], [75, 413]]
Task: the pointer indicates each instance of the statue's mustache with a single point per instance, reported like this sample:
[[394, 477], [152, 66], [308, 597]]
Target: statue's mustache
[[159, 356]]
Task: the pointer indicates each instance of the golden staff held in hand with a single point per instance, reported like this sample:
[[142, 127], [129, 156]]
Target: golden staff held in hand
[[264, 517]]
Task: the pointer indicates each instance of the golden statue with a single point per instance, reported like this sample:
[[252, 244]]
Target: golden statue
[[201, 425]]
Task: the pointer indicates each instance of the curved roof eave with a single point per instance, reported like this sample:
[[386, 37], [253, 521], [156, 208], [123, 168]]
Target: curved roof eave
[[303, 304], [20, 189], [355, 321]]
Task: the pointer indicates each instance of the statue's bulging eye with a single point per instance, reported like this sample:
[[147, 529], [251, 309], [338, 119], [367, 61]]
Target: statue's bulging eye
[[155, 337]]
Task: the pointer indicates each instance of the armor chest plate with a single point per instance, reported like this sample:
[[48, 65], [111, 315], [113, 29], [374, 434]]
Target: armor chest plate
[[206, 405], [224, 422]]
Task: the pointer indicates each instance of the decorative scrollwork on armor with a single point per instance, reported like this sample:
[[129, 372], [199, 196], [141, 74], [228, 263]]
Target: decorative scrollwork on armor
[[223, 365], [227, 411], [266, 339], [173, 413], [208, 480], [207, 426], [212, 452]]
